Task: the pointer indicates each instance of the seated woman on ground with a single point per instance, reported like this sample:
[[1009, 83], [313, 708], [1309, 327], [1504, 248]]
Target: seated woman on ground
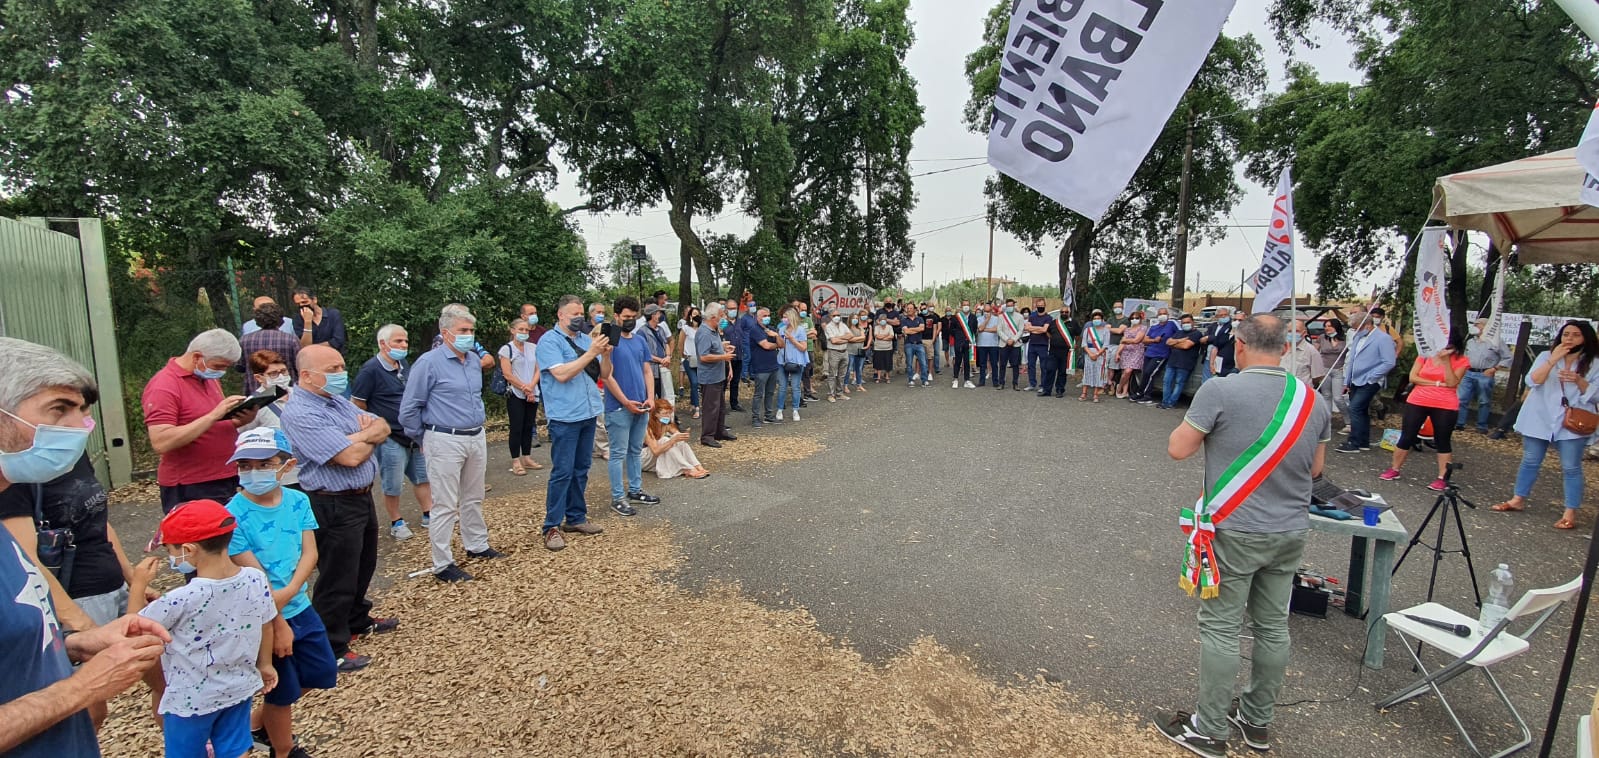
[[666, 450]]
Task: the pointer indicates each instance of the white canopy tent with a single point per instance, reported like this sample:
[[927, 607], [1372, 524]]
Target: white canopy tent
[[1530, 206]]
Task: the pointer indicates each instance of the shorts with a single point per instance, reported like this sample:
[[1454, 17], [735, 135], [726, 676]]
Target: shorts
[[396, 460], [106, 607], [228, 731], [311, 667]]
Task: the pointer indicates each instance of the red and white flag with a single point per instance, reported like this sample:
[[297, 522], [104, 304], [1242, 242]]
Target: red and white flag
[[1274, 281]]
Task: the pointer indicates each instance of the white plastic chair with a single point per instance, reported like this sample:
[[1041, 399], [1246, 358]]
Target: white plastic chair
[[1479, 651]]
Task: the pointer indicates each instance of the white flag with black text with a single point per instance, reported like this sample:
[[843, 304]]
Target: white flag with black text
[[1273, 282]]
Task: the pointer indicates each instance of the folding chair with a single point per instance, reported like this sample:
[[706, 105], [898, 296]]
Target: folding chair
[[1478, 651]]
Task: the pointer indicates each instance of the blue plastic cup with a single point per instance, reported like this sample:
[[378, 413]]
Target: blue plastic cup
[[1369, 515]]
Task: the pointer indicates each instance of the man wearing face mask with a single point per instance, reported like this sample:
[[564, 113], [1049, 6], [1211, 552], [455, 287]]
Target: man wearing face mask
[[1117, 324], [184, 416], [568, 362], [1372, 354], [44, 701], [443, 407], [1218, 342], [629, 398], [1037, 328], [1185, 349], [837, 335], [762, 365], [335, 442], [379, 388], [268, 316], [536, 331], [1302, 360], [715, 354], [961, 327], [1010, 346], [1156, 355]]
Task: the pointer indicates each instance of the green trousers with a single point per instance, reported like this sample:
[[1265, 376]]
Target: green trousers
[[1257, 579]]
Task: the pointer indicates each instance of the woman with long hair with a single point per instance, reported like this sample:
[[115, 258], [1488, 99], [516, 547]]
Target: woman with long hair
[[686, 327], [666, 450], [1433, 396], [521, 372], [793, 356], [1331, 343], [1565, 377]]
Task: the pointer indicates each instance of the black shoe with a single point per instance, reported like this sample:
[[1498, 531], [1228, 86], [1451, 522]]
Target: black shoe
[[1497, 434], [263, 741], [1061, 393], [810, 396], [486, 553], [1179, 728], [379, 626], [622, 508], [1044, 395], [1257, 737], [728, 435], [353, 661], [774, 420], [736, 408], [710, 443], [640, 496], [1347, 448], [294, 752], [452, 573], [1016, 387]]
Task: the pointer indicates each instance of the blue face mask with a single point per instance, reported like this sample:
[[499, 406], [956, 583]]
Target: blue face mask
[[766, 321], [521, 337], [722, 323], [337, 382], [464, 342], [666, 419], [1099, 322], [180, 563], [206, 373], [533, 320], [599, 318], [55, 450], [397, 354], [258, 482]]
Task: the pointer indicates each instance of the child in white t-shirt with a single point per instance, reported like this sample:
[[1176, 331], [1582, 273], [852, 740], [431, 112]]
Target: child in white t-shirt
[[221, 650]]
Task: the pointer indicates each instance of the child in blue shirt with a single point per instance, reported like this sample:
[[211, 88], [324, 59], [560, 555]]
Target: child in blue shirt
[[276, 533]]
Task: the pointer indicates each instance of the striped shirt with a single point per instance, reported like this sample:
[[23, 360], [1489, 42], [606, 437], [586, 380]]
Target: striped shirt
[[276, 341], [318, 429]]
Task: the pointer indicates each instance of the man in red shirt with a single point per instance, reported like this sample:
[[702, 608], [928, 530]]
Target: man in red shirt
[[183, 414]]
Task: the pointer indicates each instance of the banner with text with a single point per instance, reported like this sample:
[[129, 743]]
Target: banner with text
[[1085, 87], [1432, 313], [843, 299], [1274, 281], [1588, 158]]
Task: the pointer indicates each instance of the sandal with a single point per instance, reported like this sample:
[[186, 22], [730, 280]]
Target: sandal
[[1566, 522], [1506, 507], [696, 413], [518, 470]]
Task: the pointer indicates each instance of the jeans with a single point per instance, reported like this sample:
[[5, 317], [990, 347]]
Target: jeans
[[1360, 397], [763, 396], [627, 438], [987, 364], [857, 370], [522, 414], [1332, 390], [347, 555], [396, 463], [1176, 381], [456, 468], [1257, 578], [1533, 451], [571, 454], [790, 389], [1204, 369], [1037, 361], [1480, 386], [916, 361], [939, 346], [693, 375]]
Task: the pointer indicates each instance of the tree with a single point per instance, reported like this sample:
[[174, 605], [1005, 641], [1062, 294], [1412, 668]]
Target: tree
[[1138, 226], [624, 274], [1451, 85]]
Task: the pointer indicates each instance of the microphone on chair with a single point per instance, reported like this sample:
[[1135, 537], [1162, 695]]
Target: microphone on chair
[[1459, 630]]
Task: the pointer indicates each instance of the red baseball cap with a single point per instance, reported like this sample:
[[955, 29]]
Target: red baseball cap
[[194, 521]]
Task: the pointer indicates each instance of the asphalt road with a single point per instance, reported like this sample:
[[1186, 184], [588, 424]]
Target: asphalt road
[[1039, 537]]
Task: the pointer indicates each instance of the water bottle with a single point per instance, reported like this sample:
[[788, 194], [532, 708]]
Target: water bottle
[[1497, 605]]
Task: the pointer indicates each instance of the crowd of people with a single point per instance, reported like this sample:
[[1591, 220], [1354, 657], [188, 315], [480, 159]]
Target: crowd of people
[[265, 490]]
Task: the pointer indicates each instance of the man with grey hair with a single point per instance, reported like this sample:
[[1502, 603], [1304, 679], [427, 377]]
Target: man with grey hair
[[1264, 434], [1485, 354], [443, 408], [44, 703], [715, 354], [378, 389], [189, 424]]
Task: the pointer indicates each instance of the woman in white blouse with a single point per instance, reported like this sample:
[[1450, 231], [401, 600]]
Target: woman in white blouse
[[1564, 377]]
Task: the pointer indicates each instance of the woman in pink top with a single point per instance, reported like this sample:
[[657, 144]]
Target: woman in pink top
[[1432, 396]]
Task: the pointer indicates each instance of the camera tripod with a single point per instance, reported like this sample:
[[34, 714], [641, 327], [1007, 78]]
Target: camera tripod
[[1448, 502]]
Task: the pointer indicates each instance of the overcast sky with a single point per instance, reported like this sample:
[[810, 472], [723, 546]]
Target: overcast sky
[[946, 31]]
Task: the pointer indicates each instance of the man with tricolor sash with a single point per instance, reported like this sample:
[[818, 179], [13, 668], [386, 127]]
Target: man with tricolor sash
[[1243, 538], [1011, 331], [962, 328], [1061, 361]]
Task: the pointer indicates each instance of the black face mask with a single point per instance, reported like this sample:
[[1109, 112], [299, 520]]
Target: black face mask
[[576, 324], [628, 324]]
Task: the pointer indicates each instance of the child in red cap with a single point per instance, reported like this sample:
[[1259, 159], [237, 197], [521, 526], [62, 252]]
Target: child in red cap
[[221, 650]]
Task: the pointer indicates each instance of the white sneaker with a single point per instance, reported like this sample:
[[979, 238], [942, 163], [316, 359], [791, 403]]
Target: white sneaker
[[927, 383], [954, 384], [1346, 430], [796, 414], [399, 531], [969, 385]]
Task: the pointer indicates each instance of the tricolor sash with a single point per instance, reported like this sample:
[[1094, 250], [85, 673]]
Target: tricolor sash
[[1071, 344], [1091, 336], [1015, 327], [1234, 486], [966, 329]]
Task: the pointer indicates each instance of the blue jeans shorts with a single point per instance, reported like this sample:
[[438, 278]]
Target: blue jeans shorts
[[396, 460]]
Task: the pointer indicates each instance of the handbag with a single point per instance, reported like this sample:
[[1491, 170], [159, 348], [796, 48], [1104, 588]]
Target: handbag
[[593, 367], [57, 548], [1577, 421]]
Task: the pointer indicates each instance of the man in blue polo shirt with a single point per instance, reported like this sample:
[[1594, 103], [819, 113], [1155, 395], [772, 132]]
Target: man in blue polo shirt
[[443, 408], [334, 442], [1156, 356], [629, 396], [568, 362], [379, 388]]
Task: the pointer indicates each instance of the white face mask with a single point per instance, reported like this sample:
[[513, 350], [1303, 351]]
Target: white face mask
[[280, 382]]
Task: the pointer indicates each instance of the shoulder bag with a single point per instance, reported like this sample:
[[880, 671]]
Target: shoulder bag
[[57, 549], [1577, 421], [593, 367]]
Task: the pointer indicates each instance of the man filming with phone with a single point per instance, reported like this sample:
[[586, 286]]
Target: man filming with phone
[[191, 425]]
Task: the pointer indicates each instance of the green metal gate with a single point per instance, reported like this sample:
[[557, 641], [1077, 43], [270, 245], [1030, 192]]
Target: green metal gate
[[54, 290]]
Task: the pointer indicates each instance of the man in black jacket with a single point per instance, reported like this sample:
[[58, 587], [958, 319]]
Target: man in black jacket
[[1063, 333], [1218, 342]]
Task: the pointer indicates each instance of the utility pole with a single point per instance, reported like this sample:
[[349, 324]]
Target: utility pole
[[1179, 273], [990, 295], [924, 269]]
